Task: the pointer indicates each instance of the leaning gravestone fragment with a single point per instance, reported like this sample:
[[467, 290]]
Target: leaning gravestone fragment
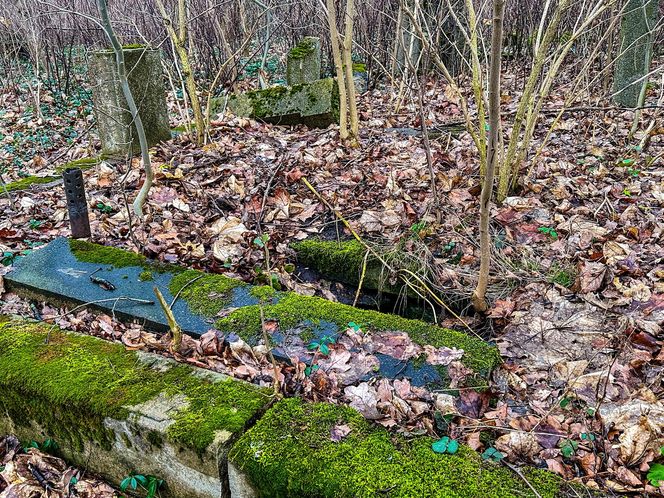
[[303, 63], [116, 129]]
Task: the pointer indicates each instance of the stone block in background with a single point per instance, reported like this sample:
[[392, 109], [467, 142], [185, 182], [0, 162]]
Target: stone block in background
[[114, 121]]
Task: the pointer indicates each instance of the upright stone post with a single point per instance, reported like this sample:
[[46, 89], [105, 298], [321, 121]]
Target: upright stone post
[[303, 62], [635, 51], [114, 121]]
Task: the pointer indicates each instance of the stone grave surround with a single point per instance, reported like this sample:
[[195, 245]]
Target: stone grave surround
[[115, 411]]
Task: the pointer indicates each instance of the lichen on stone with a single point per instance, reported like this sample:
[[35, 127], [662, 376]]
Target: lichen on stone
[[289, 452]]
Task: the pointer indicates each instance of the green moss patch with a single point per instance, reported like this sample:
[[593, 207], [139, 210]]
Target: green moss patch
[[289, 453], [83, 164], [57, 378], [29, 181], [104, 255], [205, 294], [302, 49]]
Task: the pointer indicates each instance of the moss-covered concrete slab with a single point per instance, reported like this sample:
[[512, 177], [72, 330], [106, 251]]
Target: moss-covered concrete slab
[[315, 104], [62, 269], [114, 412], [290, 452], [29, 181]]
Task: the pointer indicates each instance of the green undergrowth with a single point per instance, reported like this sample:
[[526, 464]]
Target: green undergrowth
[[289, 453], [29, 181], [72, 382], [291, 309]]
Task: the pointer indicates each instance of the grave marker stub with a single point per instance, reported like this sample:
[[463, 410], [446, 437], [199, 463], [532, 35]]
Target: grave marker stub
[[114, 121], [303, 63]]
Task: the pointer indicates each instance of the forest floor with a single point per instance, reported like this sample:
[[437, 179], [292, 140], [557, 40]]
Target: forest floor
[[578, 275]]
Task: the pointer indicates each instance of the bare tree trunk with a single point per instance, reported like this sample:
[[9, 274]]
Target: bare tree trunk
[[122, 73], [339, 68], [348, 65], [179, 40], [493, 156]]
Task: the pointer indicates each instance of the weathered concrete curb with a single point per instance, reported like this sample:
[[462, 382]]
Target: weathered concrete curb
[[114, 412]]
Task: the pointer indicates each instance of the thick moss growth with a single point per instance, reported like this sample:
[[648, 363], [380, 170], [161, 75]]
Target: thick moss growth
[[28, 181], [289, 453], [339, 260], [70, 384], [104, 255], [205, 293], [291, 309]]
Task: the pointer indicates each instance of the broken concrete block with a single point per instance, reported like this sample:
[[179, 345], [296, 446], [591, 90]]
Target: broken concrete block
[[303, 62], [315, 104], [114, 412], [114, 121]]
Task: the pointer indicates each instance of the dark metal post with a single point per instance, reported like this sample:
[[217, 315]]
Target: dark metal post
[[76, 203]]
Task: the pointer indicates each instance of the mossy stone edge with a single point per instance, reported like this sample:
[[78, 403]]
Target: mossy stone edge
[[289, 452], [208, 294]]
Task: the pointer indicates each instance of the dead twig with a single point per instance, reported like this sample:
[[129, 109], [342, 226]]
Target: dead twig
[[176, 331]]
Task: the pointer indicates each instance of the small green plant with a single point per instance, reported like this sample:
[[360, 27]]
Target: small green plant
[[104, 208], [568, 447], [419, 229], [491, 454], [150, 484], [656, 474], [633, 172], [355, 326], [322, 345], [7, 258], [562, 276], [319, 346], [48, 446], [627, 193], [550, 231], [445, 445], [35, 224], [587, 436]]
